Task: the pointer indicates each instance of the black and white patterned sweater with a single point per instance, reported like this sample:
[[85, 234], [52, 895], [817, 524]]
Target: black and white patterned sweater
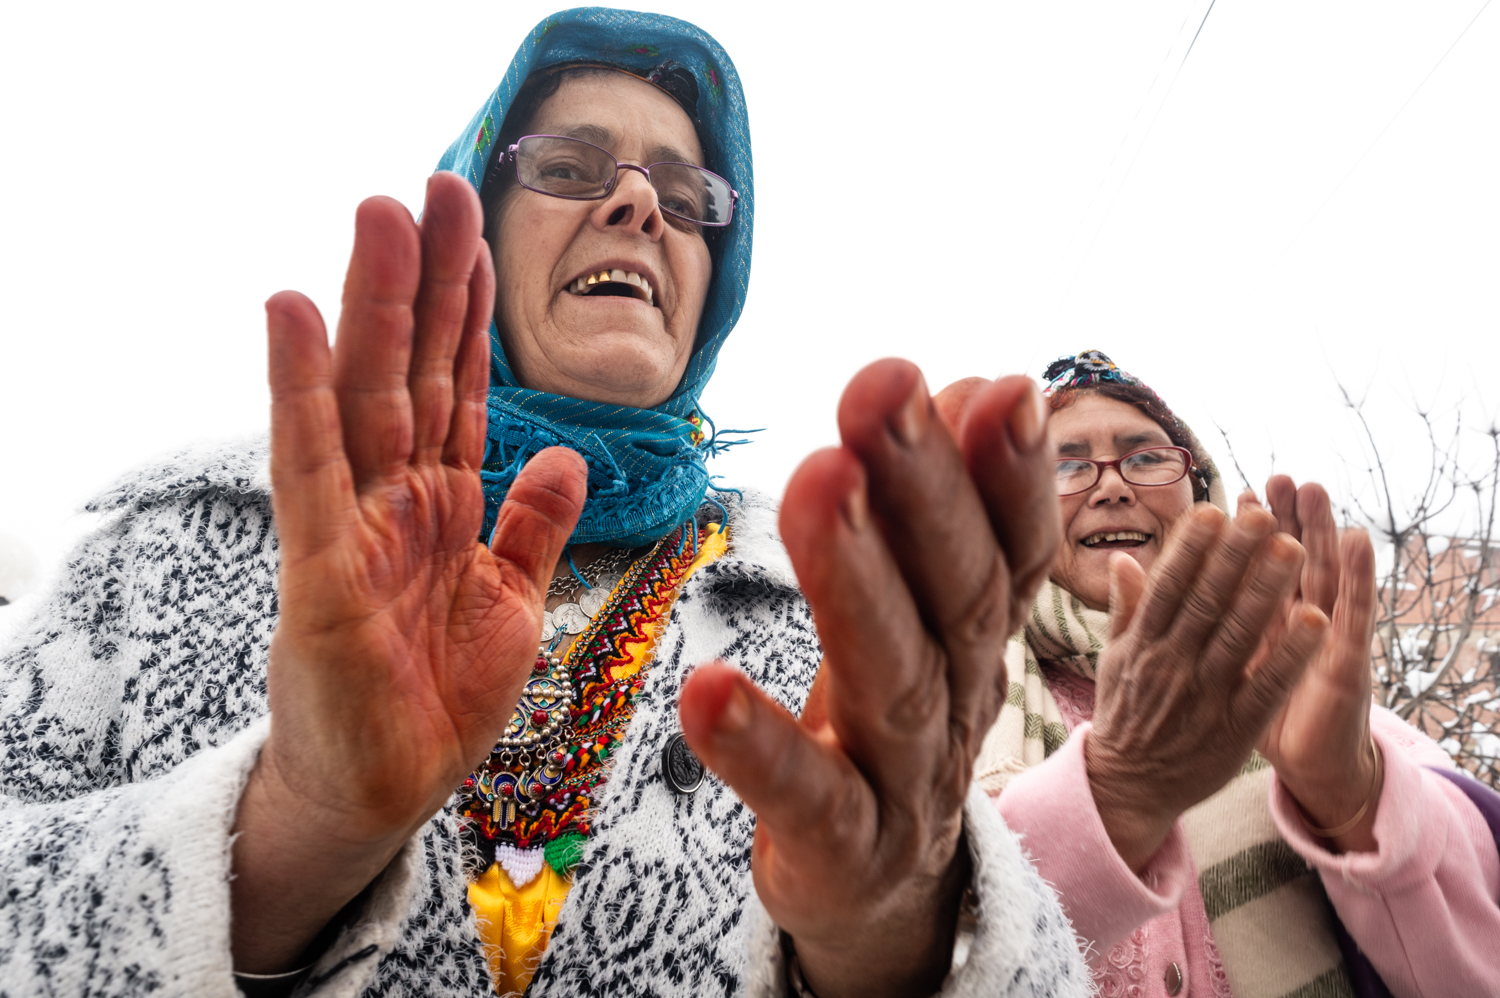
[[134, 704]]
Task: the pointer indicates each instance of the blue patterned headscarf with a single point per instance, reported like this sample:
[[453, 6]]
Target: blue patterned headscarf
[[646, 466]]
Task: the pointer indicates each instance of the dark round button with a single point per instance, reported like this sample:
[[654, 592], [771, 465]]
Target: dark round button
[[679, 767], [1173, 979]]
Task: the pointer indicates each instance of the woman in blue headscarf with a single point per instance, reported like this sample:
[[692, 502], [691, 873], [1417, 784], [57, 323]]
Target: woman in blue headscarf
[[524, 367]]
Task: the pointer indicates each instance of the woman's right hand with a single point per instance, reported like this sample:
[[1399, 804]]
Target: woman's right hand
[[402, 643], [1201, 656]]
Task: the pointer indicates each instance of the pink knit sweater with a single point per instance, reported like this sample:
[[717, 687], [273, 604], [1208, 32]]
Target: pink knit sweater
[[1425, 907]]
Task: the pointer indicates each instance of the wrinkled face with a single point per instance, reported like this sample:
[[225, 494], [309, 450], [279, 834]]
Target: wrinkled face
[[628, 339], [1113, 515]]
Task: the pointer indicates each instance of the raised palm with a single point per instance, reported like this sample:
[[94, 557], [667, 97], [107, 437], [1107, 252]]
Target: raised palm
[[1319, 740], [402, 643]]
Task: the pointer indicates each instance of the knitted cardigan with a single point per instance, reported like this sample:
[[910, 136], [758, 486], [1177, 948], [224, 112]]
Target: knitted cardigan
[[133, 705]]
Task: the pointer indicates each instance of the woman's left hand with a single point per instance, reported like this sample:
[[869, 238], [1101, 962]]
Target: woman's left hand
[[1320, 742], [919, 554]]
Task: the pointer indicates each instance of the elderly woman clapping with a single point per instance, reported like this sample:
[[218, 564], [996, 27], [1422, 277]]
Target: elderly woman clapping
[[1124, 755], [493, 562]]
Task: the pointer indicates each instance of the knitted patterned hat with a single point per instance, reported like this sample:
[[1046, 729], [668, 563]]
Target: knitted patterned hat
[[1088, 368], [1093, 369]]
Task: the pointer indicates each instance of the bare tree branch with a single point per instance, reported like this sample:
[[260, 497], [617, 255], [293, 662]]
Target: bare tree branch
[[1436, 650], [1235, 460]]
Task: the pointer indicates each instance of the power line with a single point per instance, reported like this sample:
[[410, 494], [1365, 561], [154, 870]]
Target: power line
[[1125, 139], [1197, 33], [1130, 168], [1340, 185]]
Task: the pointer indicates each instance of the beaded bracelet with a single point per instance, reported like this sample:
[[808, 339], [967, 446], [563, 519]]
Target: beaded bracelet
[[1333, 833]]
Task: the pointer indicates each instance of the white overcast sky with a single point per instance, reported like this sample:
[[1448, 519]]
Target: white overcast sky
[[1310, 197]]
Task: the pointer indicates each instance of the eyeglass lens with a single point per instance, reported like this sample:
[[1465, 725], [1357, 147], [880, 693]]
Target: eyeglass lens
[[578, 170], [1153, 466]]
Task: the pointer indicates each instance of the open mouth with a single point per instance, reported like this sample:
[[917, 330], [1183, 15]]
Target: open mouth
[[614, 284], [1116, 539]]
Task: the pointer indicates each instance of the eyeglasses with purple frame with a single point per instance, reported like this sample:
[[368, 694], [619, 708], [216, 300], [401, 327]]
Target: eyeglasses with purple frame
[[675, 183]]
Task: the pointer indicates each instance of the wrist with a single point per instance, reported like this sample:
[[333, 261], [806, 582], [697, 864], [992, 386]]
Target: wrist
[[277, 802], [294, 868], [1136, 824], [1328, 798], [963, 942], [1342, 810], [908, 951], [333, 801]]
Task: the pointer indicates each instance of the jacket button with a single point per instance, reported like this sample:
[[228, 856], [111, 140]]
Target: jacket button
[[1173, 979], [679, 767]]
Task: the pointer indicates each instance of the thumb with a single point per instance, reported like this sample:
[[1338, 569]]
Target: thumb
[[1127, 580], [539, 513], [790, 777]]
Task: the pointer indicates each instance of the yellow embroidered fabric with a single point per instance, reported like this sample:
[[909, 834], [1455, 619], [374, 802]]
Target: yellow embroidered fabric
[[515, 923]]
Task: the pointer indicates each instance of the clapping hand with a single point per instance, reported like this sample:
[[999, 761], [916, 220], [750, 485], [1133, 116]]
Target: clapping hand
[[919, 549], [1203, 653], [402, 642], [1319, 742]]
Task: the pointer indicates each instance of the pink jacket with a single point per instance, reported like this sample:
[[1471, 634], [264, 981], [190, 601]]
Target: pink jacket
[[1425, 908]]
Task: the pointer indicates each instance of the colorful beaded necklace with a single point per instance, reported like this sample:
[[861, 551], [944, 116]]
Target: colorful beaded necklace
[[538, 789]]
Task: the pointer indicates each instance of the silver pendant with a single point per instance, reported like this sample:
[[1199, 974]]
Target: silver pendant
[[593, 601], [570, 618], [549, 626]]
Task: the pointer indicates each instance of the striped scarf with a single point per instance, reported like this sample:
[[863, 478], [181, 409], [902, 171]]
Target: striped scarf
[[1271, 919]]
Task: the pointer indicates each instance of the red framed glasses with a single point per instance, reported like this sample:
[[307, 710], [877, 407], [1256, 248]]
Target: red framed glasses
[[1147, 466]]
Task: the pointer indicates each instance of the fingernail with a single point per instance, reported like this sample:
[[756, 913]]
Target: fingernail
[[910, 421], [1028, 420], [735, 717], [857, 508]]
